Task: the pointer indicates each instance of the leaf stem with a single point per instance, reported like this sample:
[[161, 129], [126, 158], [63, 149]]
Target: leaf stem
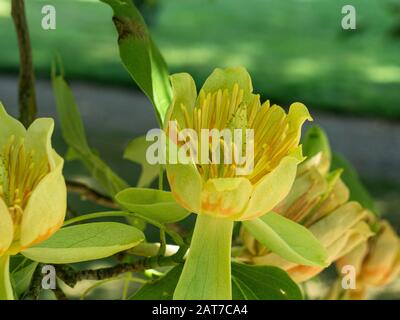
[[163, 243]]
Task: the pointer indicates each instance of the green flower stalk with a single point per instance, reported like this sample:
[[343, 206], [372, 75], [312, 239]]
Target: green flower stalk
[[33, 194], [215, 191], [6, 291]]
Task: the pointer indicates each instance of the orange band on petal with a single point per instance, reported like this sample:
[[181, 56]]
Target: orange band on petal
[[45, 235]]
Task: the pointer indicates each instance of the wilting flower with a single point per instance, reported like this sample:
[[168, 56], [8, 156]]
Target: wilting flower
[[226, 101], [319, 201], [32, 187], [376, 262]]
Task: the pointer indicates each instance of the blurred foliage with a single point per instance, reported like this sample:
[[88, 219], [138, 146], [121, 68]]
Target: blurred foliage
[[292, 46]]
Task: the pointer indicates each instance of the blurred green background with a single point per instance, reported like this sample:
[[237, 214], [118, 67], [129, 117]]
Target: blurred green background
[[295, 46]]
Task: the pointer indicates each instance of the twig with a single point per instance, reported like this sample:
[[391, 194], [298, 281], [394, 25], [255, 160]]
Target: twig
[[70, 212], [26, 89], [60, 295], [71, 277], [90, 194]]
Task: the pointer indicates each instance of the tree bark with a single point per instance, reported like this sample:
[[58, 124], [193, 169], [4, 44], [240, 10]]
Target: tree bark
[[26, 86]]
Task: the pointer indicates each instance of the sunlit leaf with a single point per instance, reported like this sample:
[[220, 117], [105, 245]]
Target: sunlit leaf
[[140, 56], [136, 152], [155, 204], [74, 135], [85, 242], [288, 239], [314, 141]]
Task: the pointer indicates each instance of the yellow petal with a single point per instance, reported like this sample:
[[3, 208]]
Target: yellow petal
[[382, 256], [8, 127], [38, 139], [352, 238], [299, 273], [45, 212], [338, 196], [333, 226], [186, 185], [184, 96], [225, 197], [302, 273], [227, 78], [298, 114], [349, 240], [341, 246], [304, 195], [6, 228], [395, 270], [354, 258], [318, 161], [252, 246], [272, 188]]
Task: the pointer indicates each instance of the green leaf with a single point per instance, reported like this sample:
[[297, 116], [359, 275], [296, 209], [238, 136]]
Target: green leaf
[[21, 278], [288, 239], [357, 190], [315, 140], [162, 288], [140, 56], [74, 135], [136, 152], [248, 283], [262, 283], [85, 242], [154, 204]]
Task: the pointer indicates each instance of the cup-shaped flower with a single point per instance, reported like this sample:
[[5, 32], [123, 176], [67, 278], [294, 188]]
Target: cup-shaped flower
[[321, 203], [32, 188], [215, 181]]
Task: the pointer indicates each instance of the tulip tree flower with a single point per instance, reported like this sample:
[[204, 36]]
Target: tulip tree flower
[[32, 189], [376, 262], [215, 191], [320, 201]]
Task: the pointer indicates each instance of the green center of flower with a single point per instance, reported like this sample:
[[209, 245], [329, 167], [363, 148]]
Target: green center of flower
[[19, 175]]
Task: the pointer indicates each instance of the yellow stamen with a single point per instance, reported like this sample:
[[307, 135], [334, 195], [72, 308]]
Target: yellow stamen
[[21, 175], [272, 137]]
